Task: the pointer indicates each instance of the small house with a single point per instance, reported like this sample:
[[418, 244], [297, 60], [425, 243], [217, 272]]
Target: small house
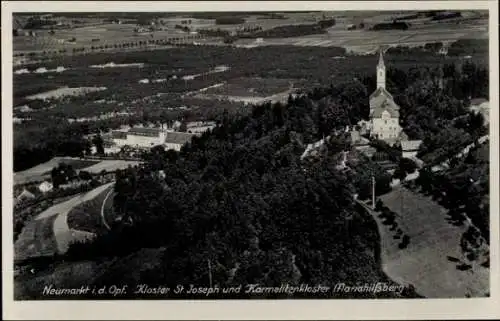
[[45, 187]]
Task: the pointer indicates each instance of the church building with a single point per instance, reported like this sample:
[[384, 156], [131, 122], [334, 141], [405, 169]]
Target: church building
[[384, 112]]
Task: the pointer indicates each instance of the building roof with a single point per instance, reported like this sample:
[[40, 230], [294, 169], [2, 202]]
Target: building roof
[[116, 134], [200, 124], [178, 138], [478, 101], [143, 131], [380, 91], [410, 145], [377, 112], [25, 194], [403, 136]]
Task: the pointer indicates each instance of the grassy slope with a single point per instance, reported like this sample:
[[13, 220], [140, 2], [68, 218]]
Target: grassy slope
[[87, 215], [425, 262]]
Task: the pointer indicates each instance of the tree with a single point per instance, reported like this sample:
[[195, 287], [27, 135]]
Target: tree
[[99, 144]]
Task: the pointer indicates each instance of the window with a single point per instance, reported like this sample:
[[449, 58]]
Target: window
[[385, 122]]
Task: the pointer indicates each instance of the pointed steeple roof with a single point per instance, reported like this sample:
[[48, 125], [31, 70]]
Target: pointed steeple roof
[[381, 59]]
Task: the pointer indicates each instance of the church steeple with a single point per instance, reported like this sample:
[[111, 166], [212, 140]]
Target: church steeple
[[381, 71], [381, 59]]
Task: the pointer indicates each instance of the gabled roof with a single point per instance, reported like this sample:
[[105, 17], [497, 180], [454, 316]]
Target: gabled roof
[[478, 101], [381, 91], [116, 134], [377, 112], [178, 138], [379, 104], [410, 145], [143, 131]]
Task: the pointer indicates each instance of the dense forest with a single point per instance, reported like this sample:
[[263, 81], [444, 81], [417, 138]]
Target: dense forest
[[241, 199]]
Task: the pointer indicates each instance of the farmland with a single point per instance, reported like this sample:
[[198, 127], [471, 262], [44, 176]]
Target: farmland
[[128, 99], [250, 90], [97, 35], [42, 171]]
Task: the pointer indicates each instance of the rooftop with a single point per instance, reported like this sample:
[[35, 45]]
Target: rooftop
[[377, 112], [381, 91], [116, 134], [478, 101], [178, 137], [143, 131], [410, 145]]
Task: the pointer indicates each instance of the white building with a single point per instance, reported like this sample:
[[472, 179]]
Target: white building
[[200, 126], [384, 112], [175, 140], [45, 187], [143, 137]]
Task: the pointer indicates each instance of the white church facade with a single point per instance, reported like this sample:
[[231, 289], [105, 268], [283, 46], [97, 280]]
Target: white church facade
[[384, 112]]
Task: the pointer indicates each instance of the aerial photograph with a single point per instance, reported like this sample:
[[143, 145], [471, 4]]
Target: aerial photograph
[[251, 155]]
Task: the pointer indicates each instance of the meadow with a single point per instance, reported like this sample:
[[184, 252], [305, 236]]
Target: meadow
[[432, 257]]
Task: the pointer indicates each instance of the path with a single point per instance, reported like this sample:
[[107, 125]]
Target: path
[[463, 153], [48, 233], [103, 208]]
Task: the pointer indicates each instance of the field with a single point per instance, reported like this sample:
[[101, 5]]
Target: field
[[88, 216], [42, 171], [96, 35], [250, 90], [108, 34], [110, 166], [364, 41], [319, 66], [431, 260], [64, 92], [49, 232], [36, 239]]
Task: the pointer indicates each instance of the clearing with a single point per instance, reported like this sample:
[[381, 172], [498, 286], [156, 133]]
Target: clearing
[[250, 90], [433, 261], [42, 171], [65, 92]]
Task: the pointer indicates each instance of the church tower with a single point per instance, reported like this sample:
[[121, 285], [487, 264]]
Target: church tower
[[381, 72]]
